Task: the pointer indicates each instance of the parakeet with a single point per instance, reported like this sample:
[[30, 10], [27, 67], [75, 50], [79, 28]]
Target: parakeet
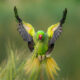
[[40, 43]]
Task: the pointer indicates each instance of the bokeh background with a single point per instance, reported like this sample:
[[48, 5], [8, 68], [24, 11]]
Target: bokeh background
[[42, 14]]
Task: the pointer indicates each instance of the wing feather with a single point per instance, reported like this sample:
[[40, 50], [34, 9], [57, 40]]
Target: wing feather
[[26, 30], [54, 31], [24, 33]]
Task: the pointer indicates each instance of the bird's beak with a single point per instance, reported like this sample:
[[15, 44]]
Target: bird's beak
[[40, 37]]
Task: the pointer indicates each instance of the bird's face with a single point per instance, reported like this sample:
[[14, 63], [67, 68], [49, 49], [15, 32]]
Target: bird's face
[[40, 35]]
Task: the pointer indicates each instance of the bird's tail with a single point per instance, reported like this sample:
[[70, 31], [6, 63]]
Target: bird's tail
[[51, 68], [34, 66]]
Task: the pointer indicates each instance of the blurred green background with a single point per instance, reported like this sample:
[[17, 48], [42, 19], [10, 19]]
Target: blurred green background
[[42, 14]]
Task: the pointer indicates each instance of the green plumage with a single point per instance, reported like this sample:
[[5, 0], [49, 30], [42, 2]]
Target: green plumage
[[41, 45]]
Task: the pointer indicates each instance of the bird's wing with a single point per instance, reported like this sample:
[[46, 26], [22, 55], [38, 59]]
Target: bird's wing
[[26, 30], [55, 30]]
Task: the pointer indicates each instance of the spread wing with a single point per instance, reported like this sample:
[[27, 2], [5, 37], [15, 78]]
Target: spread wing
[[55, 30], [26, 30]]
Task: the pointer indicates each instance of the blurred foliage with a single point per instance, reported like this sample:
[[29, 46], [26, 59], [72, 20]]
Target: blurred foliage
[[13, 68], [41, 14]]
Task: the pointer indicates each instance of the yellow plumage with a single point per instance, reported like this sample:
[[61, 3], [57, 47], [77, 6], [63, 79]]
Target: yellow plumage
[[51, 67], [51, 29], [33, 66], [29, 28]]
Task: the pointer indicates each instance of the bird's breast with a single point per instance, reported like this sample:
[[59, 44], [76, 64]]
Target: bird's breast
[[42, 48]]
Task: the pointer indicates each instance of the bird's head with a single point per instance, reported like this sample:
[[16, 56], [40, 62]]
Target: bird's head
[[40, 35]]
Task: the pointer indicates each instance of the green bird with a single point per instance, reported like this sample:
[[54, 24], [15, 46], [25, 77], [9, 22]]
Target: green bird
[[40, 42], [41, 45]]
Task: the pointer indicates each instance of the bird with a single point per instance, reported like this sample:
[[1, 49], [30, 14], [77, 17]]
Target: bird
[[41, 43]]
